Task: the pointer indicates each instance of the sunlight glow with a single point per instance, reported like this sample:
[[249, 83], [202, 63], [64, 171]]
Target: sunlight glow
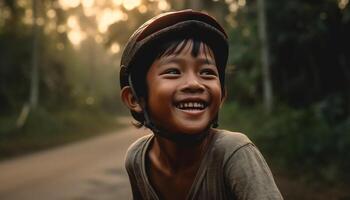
[[101, 3], [117, 2], [98, 39], [40, 21], [6, 13], [241, 3], [342, 3], [72, 22], [115, 48], [66, 4], [87, 3], [89, 11], [61, 28], [22, 3], [50, 27], [131, 4], [231, 21], [233, 7], [28, 17], [163, 5], [75, 36], [51, 13], [142, 9], [108, 17]]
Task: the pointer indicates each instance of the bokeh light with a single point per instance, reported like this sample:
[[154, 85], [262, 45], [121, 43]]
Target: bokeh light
[[108, 17], [87, 3], [131, 4], [342, 3], [66, 4], [115, 48], [163, 5], [76, 36], [117, 2]]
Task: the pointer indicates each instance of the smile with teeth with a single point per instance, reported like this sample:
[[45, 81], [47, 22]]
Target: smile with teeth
[[191, 105]]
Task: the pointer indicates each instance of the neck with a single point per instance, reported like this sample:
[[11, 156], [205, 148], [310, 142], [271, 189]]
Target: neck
[[177, 156]]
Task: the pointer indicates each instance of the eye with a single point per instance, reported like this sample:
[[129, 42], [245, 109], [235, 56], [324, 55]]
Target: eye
[[209, 73], [171, 72]]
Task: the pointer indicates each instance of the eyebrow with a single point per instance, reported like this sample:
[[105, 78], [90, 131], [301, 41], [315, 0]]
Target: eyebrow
[[180, 60]]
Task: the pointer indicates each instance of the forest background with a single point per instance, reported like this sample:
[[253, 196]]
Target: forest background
[[288, 76]]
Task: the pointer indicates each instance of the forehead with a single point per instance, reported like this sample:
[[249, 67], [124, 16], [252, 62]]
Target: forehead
[[196, 48]]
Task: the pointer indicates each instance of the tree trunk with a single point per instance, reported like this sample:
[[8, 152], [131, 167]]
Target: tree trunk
[[34, 82], [34, 85], [265, 57]]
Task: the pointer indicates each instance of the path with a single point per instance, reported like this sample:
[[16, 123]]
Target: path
[[87, 170]]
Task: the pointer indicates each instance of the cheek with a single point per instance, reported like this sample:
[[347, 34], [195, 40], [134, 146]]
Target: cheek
[[159, 96], [217, 92]]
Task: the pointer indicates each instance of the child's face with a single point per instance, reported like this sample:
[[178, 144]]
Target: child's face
[[184, 91]]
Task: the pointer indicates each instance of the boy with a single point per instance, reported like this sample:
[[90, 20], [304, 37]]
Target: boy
[[172, 80]]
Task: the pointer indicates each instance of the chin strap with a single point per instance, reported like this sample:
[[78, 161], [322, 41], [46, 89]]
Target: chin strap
[[215, 123]]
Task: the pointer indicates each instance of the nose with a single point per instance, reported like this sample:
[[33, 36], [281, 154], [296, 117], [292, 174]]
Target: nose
[[192, 84]]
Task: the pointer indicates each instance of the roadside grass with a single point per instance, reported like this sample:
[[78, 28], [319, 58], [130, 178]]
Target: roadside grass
[[45, 129]]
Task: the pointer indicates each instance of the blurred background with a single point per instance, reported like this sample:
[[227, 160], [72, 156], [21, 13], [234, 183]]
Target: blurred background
[[288, 79]]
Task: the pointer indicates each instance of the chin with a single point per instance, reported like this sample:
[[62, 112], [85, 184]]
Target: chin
[[192, 130]]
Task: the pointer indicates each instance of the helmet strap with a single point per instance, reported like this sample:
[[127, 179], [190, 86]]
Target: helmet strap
[[215, 123]]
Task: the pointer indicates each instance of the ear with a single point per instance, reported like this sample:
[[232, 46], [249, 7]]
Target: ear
[[223, 97], [129, 99]]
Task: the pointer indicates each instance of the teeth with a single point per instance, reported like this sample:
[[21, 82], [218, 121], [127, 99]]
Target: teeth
[[191, 105]]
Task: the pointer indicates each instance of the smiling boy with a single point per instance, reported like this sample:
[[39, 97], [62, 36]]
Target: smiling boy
[[172, 80]]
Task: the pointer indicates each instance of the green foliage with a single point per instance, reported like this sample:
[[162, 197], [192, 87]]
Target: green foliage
[[14, 74], [45, 129], [243, 71], [300, 140], [308, 42]]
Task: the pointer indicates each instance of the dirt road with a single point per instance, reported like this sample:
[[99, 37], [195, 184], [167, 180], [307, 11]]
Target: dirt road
[[87, 170]]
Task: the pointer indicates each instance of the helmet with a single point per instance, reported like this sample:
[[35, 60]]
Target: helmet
[[159, 30], [172, 25]]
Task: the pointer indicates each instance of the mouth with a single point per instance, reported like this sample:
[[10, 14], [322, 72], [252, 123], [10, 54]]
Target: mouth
[[191, 105]]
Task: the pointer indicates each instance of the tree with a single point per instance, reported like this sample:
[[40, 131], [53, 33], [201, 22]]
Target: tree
[[264, 56], [34, 84], [34, 80]]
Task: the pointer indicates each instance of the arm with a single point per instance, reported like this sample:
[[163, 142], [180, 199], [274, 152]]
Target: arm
[[248, 177], [135, 190], [129, 166]]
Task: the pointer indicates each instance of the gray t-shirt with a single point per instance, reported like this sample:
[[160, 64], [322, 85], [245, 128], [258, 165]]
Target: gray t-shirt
[[232, 168]]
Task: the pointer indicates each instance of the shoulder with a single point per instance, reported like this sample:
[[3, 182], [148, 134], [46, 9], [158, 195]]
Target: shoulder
[[237, 148], [135, 150], [246, 171], [230, 137], [230, 142]]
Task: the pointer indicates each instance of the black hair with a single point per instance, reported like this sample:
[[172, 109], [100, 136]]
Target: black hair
[[173, 47]]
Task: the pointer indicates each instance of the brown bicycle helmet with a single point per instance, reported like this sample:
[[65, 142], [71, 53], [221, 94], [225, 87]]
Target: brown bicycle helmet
[[169, 26], [142, 47]]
